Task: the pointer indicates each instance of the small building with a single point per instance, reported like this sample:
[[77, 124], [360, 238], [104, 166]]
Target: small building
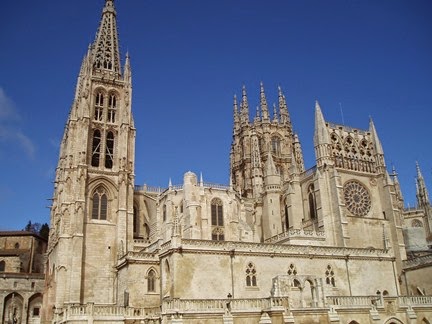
[[22, 259]]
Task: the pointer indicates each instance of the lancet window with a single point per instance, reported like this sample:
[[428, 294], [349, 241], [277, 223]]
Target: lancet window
[[100, 204], [99, 104], [96, 148], [251, 275], [109, 150], [312, 202], [2, 266], [217, 220], [151, 281], [112, 106], [275, 145], [135, 222]]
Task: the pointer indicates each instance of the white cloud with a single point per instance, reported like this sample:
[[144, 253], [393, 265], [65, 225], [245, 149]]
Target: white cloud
[[10, 132]]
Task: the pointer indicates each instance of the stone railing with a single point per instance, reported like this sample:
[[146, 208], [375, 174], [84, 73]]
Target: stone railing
[[415, 301], [146, 188], [109, 311], [347, 128], [297, 234], [216, 186], [220, 305], [353, 301], [417, 261], [281, 249]]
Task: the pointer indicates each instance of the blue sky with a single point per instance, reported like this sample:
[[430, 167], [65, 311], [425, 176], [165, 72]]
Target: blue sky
[[189, 57]]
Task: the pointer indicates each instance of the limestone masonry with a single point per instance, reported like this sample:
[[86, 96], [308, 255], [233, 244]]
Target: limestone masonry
[[279, 244]]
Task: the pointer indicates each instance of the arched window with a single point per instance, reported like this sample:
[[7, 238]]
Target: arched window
[[312, 202], [275, 145], [164, 213], [17, 245], [217, 220], [329, 274], [217, 212], [96, 147], [135, 221], [251, 279], [109, 150], [112, 106], [286, 218], [99, 102], [151, 281], [416, 223], [100, 204], [2, 266]]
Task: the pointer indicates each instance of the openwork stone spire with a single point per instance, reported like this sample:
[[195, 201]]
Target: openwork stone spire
[[105, 48]]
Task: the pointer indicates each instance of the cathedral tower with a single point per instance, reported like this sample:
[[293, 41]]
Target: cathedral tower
[[252, 141], [91, 215]]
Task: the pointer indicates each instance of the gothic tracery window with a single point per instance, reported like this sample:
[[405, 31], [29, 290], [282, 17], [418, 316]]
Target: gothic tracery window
[[312, 202], [151, 281], [96, 148], [416, 223], [100, 204], [99, 103], [109, 150], [112, 106], [251, 275], [275, 145], [292, 270], [329, 275], [217, 220]]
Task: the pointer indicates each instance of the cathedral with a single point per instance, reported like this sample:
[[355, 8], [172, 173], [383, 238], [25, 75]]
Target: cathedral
[[281, 243]]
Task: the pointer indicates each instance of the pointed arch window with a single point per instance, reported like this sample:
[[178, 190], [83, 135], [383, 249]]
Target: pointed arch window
[[251, 275], [112, 106], [109, 150], [275, 145], [135, 222], [2, 266], [312, 202], [99, 103], [217, 220], [151, 281], [100, 204], [96, 148]]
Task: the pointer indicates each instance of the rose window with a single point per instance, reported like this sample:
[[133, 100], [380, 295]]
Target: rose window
[[357, 198]]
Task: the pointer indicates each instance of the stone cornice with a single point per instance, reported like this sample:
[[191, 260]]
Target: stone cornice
[[273, 250]]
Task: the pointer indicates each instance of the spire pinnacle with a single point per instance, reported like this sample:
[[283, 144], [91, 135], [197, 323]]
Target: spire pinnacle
[[283, 108], [105, 47], [244, 106], [321, 135], [263, 103]]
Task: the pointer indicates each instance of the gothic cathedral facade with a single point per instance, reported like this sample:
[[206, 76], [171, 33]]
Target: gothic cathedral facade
[[279, 244]]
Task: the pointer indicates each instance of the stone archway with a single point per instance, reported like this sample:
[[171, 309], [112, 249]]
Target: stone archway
[[13, 309]]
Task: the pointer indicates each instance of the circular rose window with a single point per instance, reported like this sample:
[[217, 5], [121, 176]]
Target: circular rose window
[[357, 198]]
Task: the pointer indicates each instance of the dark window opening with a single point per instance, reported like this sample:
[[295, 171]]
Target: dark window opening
[[109, 151], [96, 148]]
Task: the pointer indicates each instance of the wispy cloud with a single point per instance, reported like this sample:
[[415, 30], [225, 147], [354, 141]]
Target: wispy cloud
[[10, 131]]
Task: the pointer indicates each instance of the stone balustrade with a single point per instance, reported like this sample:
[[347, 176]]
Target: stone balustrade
[[220, 305], [297, 234], [353, 301], [76, 312], [415, 301]]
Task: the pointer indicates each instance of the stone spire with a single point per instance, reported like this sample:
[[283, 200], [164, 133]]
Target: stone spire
[[321, 135], [106, 54], [263, 104], [236, 113], [379, 152], [244, 107], [422, 192], [283, 108]]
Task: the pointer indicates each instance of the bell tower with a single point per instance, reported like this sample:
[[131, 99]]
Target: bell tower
[[92, 210]]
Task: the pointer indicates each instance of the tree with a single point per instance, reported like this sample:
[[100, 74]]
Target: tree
[[38, 228]]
